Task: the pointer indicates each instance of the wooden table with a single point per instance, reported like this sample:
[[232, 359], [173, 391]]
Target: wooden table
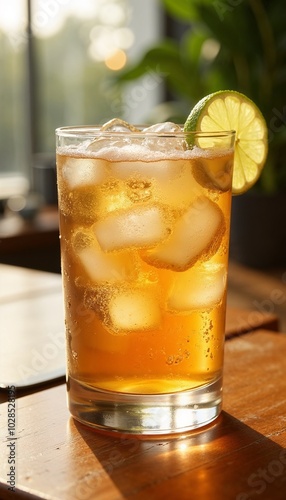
[[32, 326], [240, 457]]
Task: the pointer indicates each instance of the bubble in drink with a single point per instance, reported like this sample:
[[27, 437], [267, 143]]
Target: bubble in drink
[[112, 196], [139, 190], [142, 226], [81, 203], [134, 310], [196, 234], [201, 287]]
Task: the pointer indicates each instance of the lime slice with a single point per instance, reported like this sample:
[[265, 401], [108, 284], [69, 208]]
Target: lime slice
[[231, 110]]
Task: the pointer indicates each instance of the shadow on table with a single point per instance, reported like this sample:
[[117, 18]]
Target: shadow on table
[[228, 460]]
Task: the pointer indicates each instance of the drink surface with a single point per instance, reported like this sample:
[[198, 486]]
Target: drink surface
[[144, 237]]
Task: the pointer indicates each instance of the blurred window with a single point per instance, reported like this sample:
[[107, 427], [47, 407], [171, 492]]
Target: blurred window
[[58, 58]]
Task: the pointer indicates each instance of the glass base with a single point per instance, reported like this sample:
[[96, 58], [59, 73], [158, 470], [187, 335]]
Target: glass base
[[147, 414]]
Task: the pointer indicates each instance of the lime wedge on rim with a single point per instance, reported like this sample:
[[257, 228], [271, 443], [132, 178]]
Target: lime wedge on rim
[[231, 110]]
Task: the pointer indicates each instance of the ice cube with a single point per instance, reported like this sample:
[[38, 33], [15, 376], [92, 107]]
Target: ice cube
[[112, 196], [146, 170], [201, 287], [87, 204], [101, 145], [170, 182], [196, 234], [98, 265], [168, 142], [133, 310], [140, 227], [163, 128], [180, 190], [79, 172], [109, 138], [118, 125]]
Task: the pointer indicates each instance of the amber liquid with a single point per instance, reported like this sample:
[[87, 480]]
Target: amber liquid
[[152, 324]]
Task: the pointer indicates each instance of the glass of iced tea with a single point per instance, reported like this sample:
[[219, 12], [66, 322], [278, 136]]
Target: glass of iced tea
[[144, 223]]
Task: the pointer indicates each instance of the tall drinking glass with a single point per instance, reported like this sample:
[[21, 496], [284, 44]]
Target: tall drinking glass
[[144, 223]]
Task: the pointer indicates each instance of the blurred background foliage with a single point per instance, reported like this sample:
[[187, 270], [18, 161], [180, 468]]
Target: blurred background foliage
[[225, 44]]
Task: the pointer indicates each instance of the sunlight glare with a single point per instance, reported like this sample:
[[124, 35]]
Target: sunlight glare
[[210, 49], [12, 15], [183, 446], [112, 14], [123, 38], [102, 45], [107, 42], [117, 61]]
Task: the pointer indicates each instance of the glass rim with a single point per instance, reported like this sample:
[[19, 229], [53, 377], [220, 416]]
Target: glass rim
[[90, 131]]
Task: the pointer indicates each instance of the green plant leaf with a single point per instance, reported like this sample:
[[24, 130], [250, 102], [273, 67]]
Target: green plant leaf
[[184, 10], [229, 28], [191, 45], [251, 59], [165, 59]]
